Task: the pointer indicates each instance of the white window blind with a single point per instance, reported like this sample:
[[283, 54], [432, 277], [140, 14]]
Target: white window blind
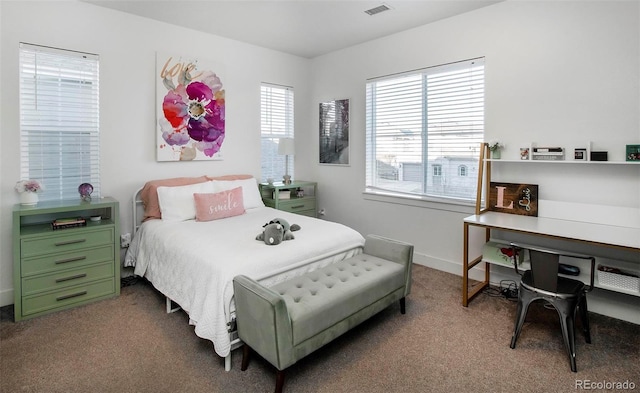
[[59, 120], [276, 108], [421, 126]]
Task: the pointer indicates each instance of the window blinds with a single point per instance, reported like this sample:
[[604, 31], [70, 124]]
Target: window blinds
[[422, 126], [59, 120], [276, 108]]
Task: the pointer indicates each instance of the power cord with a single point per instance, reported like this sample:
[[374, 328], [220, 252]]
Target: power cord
[[508, 289]]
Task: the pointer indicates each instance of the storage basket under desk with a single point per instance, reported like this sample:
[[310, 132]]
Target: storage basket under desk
[[619, 281]]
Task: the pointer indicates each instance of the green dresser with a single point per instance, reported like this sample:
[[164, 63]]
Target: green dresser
[[305, 204], [58, 269]]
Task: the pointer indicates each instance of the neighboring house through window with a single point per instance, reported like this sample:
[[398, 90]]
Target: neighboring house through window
[[276, 123], [426, 126], [59, 120]]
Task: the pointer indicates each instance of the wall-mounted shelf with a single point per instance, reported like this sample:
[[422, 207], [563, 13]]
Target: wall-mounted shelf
[[566, 162]]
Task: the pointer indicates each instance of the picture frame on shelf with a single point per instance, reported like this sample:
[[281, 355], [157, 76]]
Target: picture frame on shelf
[[580, 154], [633, 153]]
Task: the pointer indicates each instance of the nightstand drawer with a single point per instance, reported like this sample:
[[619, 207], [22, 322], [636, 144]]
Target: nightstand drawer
[[297, 205], [66, 242], [68, 260], [68, 278], [76, 294]]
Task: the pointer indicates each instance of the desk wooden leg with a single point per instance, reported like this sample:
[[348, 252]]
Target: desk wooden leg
[[465, 267], [468, 265]]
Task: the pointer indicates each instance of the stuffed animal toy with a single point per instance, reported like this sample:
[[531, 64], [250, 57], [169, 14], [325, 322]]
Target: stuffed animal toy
[[276, 231]]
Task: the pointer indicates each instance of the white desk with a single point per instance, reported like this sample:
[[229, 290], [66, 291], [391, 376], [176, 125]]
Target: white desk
[[613, 227]]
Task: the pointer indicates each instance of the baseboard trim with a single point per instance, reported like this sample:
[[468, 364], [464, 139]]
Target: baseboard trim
[[6, 297]]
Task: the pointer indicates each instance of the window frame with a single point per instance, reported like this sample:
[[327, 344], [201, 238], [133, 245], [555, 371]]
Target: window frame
[[59, 120], [372, 188], [275, 126]]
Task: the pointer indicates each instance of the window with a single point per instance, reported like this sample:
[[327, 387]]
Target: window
[[59, 120], [276, 107], [422, 126], [462, 170]]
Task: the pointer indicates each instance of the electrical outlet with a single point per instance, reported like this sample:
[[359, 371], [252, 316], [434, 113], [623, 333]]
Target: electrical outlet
[[125, 240]]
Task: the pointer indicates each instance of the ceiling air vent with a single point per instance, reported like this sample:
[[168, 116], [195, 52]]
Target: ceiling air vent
[[378, 9]]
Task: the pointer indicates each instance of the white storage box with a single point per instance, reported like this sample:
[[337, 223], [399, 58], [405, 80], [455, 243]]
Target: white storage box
[[283, 194], [614, 279]]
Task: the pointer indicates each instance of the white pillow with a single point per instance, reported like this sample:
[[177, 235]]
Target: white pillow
[[177, 203], [250, 192]]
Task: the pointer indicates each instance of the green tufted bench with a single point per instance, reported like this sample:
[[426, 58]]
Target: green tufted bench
[[288, 321]]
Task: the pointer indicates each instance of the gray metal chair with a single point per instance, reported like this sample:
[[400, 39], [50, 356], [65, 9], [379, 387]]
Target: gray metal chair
[[567, 296]]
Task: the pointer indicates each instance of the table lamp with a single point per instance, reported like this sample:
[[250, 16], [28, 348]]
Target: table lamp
[[286, 148]]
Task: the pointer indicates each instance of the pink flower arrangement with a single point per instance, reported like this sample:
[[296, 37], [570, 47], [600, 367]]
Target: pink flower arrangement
[[29, 186]]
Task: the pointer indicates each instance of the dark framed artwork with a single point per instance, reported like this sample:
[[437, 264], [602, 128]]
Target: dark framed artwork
[[633, 153], [334, 132], [521, 199]]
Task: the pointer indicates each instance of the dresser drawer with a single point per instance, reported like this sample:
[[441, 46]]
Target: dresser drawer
[[75, 240], [67, 278], [67, 260], [297, 205], [80, 293]]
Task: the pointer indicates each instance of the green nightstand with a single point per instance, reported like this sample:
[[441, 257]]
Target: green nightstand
[[274, 194], [59, 269]]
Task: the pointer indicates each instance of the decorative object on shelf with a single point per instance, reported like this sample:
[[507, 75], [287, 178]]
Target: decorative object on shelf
[[580, 154], [495, 148], [300, 193], [28, 190], [524, 153], [521, 199], [72, 222], [548, 153], [334, 132], [599, 156], [85, 190], [633, 153], [191, 109], [286, 147]]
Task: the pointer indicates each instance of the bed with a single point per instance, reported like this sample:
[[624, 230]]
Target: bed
[[193, 262]]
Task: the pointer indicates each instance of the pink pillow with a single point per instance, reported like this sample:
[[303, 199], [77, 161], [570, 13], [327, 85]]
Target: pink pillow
[[219, 205]]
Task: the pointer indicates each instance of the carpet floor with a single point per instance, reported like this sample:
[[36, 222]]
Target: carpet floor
[[129, 344]]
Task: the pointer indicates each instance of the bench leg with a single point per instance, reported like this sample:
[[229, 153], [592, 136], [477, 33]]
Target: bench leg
[[279, 381], [246, 355], [402, 306]]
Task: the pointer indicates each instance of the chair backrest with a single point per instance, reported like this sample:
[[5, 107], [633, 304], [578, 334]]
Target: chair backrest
[[544, 269]]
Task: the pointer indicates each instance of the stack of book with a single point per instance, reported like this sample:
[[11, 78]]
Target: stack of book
[[63, 223]]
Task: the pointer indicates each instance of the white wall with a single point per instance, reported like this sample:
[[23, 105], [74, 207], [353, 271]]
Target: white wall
[[127, 45], [557, 73]]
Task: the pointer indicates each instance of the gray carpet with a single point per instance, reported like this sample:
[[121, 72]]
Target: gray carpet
[[129, 344]]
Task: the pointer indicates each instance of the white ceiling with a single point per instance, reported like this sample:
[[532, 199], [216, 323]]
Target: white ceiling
[[306, 28]]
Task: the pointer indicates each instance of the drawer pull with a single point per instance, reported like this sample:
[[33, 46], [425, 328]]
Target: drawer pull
[[80, 258], [65, 297], [70, 242], [72, 277], [297, 206]]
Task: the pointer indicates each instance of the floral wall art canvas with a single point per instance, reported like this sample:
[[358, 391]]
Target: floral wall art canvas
[[190, 111]]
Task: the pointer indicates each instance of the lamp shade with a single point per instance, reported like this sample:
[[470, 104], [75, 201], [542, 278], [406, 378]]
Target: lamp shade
[[286, 146]]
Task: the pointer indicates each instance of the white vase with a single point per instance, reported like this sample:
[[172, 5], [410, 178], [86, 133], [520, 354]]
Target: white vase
[[28, 198]]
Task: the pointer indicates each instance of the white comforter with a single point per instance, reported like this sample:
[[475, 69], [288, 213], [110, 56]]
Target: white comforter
[[194, 263]]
